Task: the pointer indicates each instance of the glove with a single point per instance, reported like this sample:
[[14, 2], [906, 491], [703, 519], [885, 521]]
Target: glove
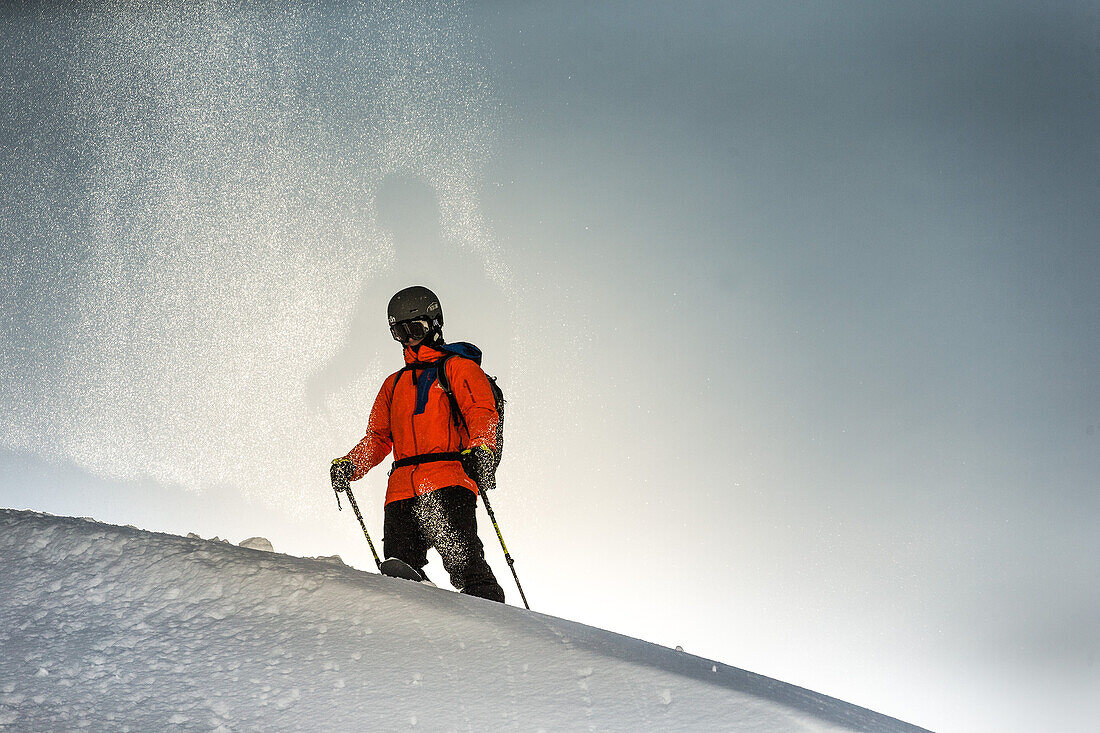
[[341, 472], [480, 465]]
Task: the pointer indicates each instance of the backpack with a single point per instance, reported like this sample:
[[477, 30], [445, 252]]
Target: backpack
[[456, 413], [473, 353]]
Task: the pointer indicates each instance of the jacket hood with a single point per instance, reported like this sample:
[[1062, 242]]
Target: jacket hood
[[426, 353]]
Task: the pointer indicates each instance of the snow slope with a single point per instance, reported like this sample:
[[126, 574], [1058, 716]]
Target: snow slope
[[114, 628]]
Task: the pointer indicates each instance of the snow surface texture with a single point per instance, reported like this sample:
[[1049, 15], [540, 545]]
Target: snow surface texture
[[114, 628]]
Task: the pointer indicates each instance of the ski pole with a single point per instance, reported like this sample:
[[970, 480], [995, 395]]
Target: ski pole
[[345, 486], [507, 555]]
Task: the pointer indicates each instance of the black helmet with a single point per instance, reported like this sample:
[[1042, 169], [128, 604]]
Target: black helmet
[[414, 312]]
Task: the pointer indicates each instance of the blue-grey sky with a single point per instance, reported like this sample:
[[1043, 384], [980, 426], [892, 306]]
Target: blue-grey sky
[[795, 305]]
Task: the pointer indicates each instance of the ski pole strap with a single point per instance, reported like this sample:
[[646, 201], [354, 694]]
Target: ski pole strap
[[425, 458]]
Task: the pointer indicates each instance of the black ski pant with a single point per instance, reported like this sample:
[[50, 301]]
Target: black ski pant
[[446, 520]]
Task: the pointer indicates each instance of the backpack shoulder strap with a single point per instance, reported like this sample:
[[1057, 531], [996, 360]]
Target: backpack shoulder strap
[[440, 368], [420, 366], [445, 383]]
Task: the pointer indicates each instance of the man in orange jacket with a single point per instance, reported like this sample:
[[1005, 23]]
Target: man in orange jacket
[[431, 497]]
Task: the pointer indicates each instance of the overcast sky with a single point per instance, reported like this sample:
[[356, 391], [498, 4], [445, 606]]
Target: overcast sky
[[795, 306]]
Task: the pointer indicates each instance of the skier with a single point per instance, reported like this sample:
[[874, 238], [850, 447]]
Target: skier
[[442, 458]]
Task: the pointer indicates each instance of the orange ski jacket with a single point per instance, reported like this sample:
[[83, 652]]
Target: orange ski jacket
[[412, 416]]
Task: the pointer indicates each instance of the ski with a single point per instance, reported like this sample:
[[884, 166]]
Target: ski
[[400, 569]]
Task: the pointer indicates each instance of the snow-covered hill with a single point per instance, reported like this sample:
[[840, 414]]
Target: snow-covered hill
[[114, 628]]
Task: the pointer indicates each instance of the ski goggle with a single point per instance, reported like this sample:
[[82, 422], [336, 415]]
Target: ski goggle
[[416, 328]]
